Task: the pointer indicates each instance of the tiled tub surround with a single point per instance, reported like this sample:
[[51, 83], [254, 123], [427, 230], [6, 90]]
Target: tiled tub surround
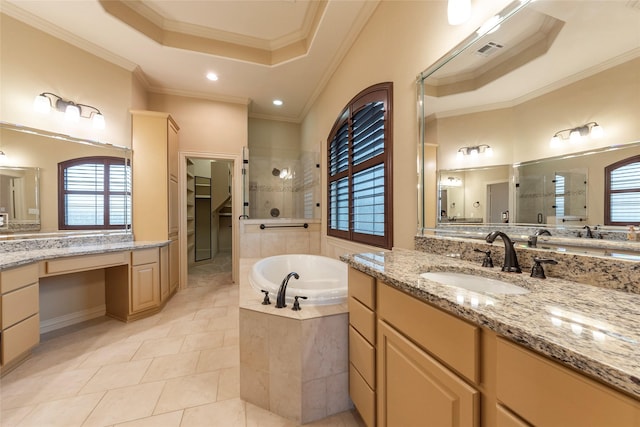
[[587, 328], [292, 363], [602, 271]]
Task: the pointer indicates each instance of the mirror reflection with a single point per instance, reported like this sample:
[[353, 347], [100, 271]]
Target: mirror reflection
[[492, 105], [19, 208], [38, 154]]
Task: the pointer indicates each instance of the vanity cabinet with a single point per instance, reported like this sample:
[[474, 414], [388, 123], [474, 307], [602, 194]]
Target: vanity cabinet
[[362, 344], [19, 313], [542, 392], [424, 356], [155, 184], [145, 283]]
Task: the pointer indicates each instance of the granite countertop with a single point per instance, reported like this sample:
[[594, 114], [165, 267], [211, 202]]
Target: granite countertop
[[590, 329], [28, 256]]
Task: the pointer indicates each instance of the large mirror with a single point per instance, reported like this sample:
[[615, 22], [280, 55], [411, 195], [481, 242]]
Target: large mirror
[[490, 107], [29, 181]]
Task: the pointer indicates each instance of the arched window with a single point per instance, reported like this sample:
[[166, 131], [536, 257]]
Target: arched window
[[622, 192], [94, 193], [359, 172]]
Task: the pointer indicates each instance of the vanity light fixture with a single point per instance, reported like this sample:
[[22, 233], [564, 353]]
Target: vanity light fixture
[[72, 110], [575, 135], [458, 11], [277, 102], [475, 151], [3, 158]]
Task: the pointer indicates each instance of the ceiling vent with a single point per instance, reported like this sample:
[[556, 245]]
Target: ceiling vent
[[489, 49]]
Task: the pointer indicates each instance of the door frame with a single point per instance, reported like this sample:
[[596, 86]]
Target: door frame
[[236, 206]]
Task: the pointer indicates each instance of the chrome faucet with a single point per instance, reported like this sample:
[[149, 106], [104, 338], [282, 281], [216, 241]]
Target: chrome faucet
[[282, 290], [510, 257]]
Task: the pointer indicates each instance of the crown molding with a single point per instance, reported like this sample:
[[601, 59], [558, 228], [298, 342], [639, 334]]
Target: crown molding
[[200, 95]]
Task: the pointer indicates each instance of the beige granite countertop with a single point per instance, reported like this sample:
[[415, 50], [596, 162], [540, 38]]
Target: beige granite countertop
[[593, 330], [18, 258]]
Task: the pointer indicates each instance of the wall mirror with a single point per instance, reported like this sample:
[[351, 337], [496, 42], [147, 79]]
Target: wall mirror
[[540, 68], [19, 199], [36, 154]]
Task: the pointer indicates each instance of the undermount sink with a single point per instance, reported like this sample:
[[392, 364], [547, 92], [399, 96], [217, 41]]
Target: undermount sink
[[473, 283]]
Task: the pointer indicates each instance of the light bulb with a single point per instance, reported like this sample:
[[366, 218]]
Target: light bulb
[[458, 11], [488, 152], [98, 121], [597, 131], [555, 141], [474, 152], [41, 104], [459, 154], [574, 136], [72, 113]]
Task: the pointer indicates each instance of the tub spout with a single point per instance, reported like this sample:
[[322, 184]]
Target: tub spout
[[282, 290]]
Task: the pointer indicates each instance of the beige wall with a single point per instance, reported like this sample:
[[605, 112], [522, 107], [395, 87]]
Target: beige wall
[[401, 39], [34, 62], [523, 132]]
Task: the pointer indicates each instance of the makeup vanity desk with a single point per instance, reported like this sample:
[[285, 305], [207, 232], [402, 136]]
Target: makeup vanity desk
[[136, 279]]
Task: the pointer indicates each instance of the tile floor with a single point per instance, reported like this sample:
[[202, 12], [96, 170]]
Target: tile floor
[[179, 367]]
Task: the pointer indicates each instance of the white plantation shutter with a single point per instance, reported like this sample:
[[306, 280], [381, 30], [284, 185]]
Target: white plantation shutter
[[359, 165], [94, 193], [623, 192]]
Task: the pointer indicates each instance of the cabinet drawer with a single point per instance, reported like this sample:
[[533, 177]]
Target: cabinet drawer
[[19, 305], [87, 262], [362, 287], [363, 319], [363, 397], [144, 256], [450, 339], [545, 393], [362, 356], [18, 277], [20, 338]]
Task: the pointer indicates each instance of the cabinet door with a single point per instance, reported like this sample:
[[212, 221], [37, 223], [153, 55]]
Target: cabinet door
[[145, 287], [414, 389], [164, 273]]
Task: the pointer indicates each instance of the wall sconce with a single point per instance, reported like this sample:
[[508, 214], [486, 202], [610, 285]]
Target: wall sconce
[[475, 151], [72, 111], [575, 135], [458, 11]]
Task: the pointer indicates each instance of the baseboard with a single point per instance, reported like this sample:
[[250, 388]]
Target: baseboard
[[71, 319]]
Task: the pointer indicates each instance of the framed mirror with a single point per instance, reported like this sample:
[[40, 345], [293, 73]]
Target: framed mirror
[[30, 198], [541, 69]]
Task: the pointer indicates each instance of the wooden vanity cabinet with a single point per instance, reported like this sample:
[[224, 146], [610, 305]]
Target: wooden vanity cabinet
[[423, 356], [19, 314], [542, 392], [362, 344], [155, 184], [145, 280]]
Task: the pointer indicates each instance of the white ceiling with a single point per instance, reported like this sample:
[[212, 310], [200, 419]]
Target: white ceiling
[[325, 30]]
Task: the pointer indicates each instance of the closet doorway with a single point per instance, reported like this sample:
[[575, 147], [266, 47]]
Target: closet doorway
[[209, 220]]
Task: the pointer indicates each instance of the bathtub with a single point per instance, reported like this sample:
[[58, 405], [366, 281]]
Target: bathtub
[[322, 280]]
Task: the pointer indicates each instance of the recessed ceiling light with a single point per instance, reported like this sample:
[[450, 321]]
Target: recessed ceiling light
[[212, 76], [277, 102]]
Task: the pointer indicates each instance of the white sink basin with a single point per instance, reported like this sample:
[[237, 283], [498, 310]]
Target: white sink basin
[[473, 283]]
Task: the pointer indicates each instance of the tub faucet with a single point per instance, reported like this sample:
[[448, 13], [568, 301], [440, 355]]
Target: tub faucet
[[282, 290], [510, 257]]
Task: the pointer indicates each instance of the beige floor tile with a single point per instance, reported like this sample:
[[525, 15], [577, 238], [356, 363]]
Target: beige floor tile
[[189, 391], [227, 413], [229, 383], [258, 417], [155, 332], [203, 341], [170, 419], [224, 323], [125, 404], [67, 412], [219, 358], [231, 337], [183, 328], [12, 417], [117, 375], [172, 366], [159, 347], [114, 353], [211, 312]]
